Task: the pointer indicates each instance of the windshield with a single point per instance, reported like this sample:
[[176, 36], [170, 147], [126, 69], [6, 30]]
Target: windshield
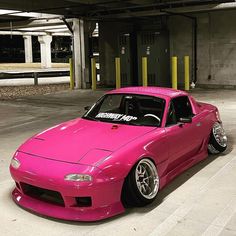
[[128, 109]]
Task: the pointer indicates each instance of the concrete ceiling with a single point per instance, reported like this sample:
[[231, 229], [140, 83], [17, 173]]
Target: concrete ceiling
[[106, 9], [14, 22]]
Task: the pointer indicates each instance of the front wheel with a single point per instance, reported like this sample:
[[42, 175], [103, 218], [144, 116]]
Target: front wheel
[[141, 185], [218, 139]]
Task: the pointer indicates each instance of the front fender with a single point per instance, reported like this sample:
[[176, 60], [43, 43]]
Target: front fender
[[154, 146]]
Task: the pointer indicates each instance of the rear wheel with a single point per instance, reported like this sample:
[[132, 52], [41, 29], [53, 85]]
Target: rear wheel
[[218, 139], [141, 185]]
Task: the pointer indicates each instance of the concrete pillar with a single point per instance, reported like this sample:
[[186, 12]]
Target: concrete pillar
[[82, 31], [79, 54], [108, 48], [88, 32], [28, 48], [45, 49]]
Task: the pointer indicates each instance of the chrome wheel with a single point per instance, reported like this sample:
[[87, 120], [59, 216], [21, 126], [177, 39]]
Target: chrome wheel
[[219, 135], [147, 179], [218, 139]]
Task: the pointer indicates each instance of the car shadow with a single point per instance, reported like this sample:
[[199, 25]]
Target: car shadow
[[168, 189]]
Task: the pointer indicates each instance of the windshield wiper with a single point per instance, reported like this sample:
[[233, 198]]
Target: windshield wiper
[[125, 122], [136, 124], [90, 118]]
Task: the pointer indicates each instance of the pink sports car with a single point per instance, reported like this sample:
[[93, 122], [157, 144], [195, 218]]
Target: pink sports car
[[126, 148]]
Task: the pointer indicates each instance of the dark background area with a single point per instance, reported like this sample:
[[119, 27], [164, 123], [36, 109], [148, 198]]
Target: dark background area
[[12, 49]]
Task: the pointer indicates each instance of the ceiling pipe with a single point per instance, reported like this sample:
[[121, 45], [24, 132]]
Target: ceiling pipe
[[169, 4], [207, 8], [155, 11], [67, 25]]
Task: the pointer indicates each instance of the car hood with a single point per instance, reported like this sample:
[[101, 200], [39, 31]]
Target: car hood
[[82, 141]]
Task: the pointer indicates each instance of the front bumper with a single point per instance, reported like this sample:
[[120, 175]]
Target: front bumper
[[48, 175]]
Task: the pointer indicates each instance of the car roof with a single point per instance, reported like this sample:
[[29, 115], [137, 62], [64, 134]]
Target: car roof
[[154, 91]]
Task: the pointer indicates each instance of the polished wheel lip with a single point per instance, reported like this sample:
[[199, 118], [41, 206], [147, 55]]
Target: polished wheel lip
[[219, 134], [147, 179]]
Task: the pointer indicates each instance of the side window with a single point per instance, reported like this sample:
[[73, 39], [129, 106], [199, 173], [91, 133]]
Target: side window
[[182, 107], [171, 118]]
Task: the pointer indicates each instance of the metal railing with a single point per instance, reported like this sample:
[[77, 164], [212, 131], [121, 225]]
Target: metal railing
[[33, 75]]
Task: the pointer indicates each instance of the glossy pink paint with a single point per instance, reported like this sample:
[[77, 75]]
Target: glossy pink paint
[[107, 154]]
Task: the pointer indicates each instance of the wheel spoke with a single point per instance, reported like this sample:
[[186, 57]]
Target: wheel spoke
[[139, 186], [143, 187], [147, 178], [147, 186], [139, 169], [144, 171]]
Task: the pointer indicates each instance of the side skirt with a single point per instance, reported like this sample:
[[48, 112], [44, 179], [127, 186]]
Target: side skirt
[[164, 180]]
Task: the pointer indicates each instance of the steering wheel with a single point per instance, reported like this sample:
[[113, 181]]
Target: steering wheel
[[154, 116]]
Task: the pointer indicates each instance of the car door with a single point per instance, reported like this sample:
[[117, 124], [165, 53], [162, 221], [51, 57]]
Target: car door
[[184, 139]]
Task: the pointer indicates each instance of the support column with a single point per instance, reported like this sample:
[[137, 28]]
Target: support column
[[28, 48], [89, 27], [45, 49], [79, 54]]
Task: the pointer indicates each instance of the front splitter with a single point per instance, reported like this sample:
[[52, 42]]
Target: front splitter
[[66, 213]]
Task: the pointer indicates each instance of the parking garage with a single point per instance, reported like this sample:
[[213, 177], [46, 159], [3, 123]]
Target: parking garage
[[58, 58]]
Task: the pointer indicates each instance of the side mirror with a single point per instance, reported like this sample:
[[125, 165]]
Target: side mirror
[[87, 108], [185, 120]]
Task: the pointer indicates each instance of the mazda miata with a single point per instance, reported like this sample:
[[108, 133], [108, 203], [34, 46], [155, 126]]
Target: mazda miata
[[125, 148]]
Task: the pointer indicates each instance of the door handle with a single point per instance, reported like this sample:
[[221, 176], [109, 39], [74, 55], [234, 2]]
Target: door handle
[[198, 124]]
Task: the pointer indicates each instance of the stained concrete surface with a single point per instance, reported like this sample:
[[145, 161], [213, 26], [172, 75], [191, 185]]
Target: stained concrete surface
[[14, 92], [201, 201]]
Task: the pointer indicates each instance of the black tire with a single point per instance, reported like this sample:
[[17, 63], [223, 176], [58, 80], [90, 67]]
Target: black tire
[[131, 193], [217, 142]]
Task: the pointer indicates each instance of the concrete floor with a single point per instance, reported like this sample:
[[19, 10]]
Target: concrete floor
[[202, 201]]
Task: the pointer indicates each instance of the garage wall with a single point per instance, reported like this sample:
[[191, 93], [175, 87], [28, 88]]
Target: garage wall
[[108, 47], [180, 42], [216, 46]]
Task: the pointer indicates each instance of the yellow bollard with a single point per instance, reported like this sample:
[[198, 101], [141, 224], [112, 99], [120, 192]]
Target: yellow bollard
[[186, 73], [93, 74], [118, 76], [72, 82], [144, 71], [174, 72]]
